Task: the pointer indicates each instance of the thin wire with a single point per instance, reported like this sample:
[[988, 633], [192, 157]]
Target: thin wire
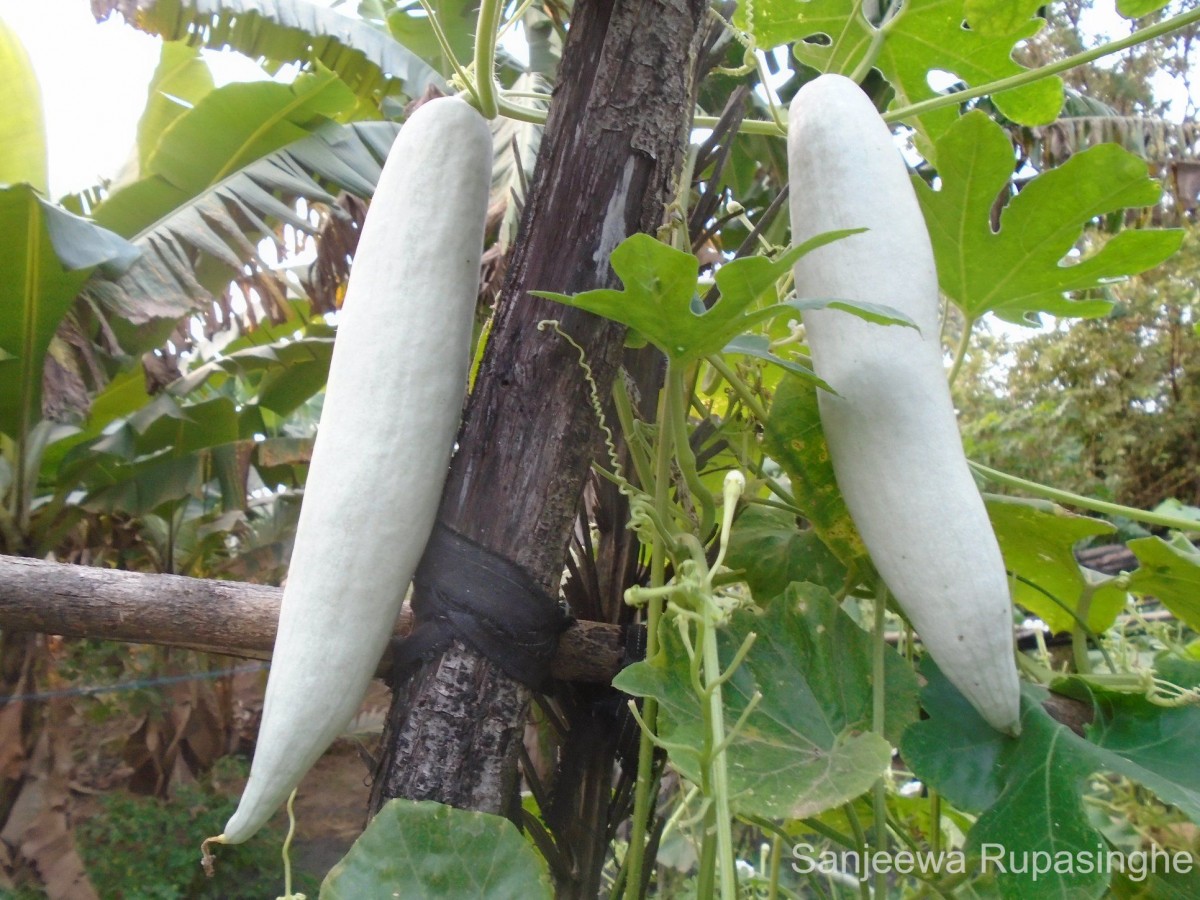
[[131, 685]]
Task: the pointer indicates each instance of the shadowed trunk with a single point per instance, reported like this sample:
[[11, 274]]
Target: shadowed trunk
[[607, 167]]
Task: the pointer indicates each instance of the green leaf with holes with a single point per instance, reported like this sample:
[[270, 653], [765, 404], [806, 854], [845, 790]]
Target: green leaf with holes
[[1028, 265], [924, 36]]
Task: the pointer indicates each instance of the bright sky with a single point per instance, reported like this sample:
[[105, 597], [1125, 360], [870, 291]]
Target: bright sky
[[93, 79]]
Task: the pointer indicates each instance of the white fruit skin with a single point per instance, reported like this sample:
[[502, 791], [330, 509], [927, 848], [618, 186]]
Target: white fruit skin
[[892, 430], [391, 412]]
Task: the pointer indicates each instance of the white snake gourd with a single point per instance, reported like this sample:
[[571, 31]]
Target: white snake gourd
[[891, 426], [392, 407]]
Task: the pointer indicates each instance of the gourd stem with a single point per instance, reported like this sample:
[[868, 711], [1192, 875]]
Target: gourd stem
[[1101, 506], [485, 57], [527, 95], [520, 112], [1031, 75]]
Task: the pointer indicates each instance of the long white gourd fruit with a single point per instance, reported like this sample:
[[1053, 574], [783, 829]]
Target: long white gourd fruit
[[891, 426], [391, 412]]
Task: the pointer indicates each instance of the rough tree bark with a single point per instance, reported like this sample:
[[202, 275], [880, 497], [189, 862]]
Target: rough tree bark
[[611, 151]]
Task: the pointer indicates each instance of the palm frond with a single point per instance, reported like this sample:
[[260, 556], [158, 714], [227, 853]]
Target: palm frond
[[192, 253], [369, 60]]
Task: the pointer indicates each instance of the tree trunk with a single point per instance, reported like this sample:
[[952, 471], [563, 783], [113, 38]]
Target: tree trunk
[[607, 167]]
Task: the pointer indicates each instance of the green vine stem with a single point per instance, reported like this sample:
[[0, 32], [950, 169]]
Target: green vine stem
[[485, 57], [1101, 506], [444, 42], [646, 787], [634, 443], [739, 387], [520, 112], [1031, 75], [684, 456], [960, 351], [877, 38], [776, 857], [774, 129], [860, 840], [1079, 633], [735, 483], [878, 714], [516, 17], [935, 819]]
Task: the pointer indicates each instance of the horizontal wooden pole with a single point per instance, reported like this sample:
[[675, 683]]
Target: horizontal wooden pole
[[238, 619], [228, 617]]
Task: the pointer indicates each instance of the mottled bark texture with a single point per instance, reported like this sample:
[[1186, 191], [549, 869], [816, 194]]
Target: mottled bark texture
[[607, 168]]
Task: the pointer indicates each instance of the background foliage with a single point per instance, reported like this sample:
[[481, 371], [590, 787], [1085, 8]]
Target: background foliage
[[164, 340]]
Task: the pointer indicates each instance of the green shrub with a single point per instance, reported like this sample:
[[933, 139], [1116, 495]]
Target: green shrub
[[141, 848]]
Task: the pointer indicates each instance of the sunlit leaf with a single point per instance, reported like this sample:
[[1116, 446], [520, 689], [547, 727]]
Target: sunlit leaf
[[225, 221], [458, 19], [1169, 572], [22, 129], [1037, 541], [228, 129], [48, 255], [181, 80], [1135, 9], [661, 298], [1026, 267]]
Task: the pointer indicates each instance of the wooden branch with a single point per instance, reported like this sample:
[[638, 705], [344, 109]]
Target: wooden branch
[[238, 619], [226, 617]]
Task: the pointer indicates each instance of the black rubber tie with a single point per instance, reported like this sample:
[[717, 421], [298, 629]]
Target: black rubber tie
[[463, 590]]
